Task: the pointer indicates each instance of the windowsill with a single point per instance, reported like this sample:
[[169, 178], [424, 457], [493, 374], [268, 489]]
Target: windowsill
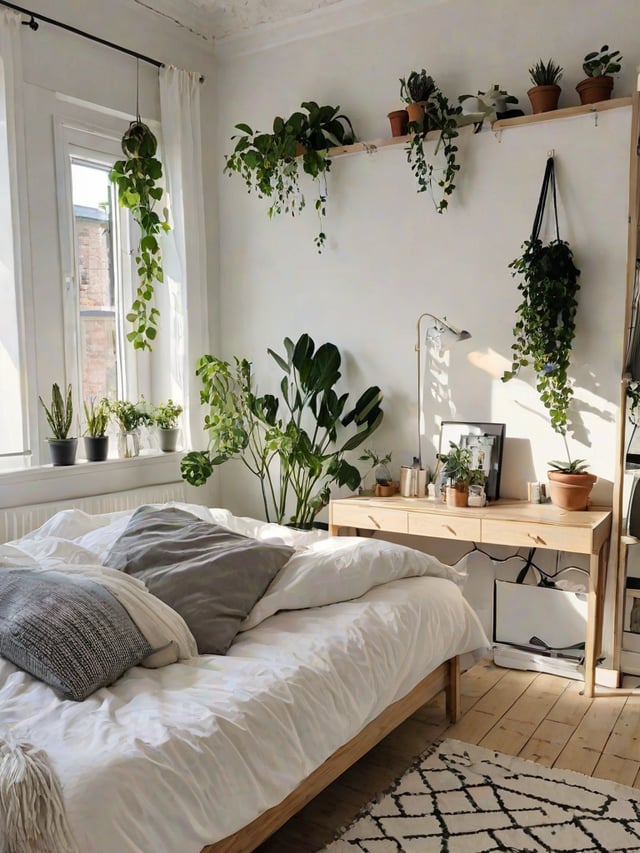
[[44, 483]]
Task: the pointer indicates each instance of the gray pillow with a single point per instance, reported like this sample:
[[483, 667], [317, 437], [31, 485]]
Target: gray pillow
[[66, 630], [210, 575]]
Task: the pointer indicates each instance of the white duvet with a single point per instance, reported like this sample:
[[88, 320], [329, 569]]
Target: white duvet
[[174, 758]]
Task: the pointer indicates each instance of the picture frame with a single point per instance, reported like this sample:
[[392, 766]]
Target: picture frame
[[486, 441]]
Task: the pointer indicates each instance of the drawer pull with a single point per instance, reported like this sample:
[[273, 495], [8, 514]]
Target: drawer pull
[[371, 518], [449, 528], [537, 539]]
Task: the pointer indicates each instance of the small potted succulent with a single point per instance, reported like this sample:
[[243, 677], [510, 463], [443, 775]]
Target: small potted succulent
[[599, 65], [96, 441], [165, 417], [415, 92], [59, 415], [383, 485], [458, 471], [570, 483], [545, 92], [129, 417], [493, 104]]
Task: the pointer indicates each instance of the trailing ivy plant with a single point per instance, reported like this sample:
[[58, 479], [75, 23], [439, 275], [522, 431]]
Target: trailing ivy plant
[[545, 328], [442, 116], [269, 163], [137, 178], [295, 444]]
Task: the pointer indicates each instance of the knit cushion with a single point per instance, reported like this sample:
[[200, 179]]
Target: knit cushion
[[66, 631]]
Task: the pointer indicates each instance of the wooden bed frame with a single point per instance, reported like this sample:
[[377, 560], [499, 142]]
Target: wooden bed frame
[[446, 677]]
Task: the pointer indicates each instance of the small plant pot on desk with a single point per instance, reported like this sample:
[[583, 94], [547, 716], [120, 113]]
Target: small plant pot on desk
[[457, 497], [570, 491]]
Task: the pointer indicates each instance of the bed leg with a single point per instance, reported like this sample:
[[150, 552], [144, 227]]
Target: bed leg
[[453, 690]]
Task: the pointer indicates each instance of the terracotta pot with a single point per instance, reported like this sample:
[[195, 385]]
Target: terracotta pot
[[415, 112], [544, 98], [570, 491], [594, 89], [398, 119], [457, 497]]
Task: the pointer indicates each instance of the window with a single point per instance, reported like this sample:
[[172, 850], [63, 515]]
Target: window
[[13, 432], [100, 335]]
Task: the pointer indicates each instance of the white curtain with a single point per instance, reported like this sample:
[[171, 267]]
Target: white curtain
[[184, 254], [12, 423]]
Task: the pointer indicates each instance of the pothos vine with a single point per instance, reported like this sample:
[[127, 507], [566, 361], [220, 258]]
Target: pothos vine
[[136, 179], [442, 116]]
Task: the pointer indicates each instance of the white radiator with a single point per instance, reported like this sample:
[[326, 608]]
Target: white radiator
[[16, 521]]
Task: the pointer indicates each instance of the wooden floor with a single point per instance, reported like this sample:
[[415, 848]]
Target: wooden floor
[[537, 716]]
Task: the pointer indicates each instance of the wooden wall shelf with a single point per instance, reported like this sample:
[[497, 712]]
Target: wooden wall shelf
[[502, 124]]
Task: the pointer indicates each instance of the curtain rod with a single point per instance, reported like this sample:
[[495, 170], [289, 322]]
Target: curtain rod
[[34, 26]]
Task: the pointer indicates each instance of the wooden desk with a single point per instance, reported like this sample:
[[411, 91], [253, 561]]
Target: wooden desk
[[504, 522]]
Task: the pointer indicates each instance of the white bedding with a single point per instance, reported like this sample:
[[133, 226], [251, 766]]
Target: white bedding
[[175, 758]]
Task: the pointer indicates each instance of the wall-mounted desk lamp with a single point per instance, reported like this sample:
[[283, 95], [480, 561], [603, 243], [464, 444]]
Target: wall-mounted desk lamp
[[439, 334]]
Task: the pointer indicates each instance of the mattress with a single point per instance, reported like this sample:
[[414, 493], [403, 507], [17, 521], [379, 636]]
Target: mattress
[[176, 758]]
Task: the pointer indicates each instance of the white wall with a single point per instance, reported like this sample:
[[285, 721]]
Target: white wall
[[390, 256]]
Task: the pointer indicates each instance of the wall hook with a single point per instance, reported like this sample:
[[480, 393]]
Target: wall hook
[[551, 152], [31, 23], [594, 110]]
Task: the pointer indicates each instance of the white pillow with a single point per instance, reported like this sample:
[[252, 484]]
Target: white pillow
[[342, 568]]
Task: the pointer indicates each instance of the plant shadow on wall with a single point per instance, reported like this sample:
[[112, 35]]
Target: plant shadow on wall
[[138, 190], [270, 163], [544, 333], [295, 445]]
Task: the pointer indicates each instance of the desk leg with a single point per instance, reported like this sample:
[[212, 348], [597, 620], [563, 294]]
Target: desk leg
[[595, 607]]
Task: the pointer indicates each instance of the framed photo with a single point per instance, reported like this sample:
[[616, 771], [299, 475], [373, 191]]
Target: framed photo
[[485, 441]]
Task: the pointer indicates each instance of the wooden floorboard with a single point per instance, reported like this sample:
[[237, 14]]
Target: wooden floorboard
[[541, 717]]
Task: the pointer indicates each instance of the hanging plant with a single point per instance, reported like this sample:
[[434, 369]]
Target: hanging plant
[[545, 328], [442, 116], [269, 163], [138, 191]]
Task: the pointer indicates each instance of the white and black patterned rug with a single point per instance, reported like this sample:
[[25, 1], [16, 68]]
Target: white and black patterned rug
[[459, 798]]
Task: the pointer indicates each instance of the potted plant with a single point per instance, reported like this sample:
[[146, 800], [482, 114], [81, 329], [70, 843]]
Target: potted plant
[[545, 92], [137, 179], [598, 66], [543, 338], [269, 163], [443, 117], [459, 472], [96, 441], [296, 444], [59, 416], [129, 417], [491, 105], [570, 483], [165, 417], [415, 91], [382, 475]]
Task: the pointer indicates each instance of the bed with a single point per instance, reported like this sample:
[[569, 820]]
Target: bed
[[215, 751]]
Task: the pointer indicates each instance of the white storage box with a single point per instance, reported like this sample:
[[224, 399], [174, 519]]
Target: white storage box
[[524, 611]]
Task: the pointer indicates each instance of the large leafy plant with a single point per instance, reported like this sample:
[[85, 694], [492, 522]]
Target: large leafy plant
[[137, 178], [545, 328], [270, 163], [296, 443], [442, 116]]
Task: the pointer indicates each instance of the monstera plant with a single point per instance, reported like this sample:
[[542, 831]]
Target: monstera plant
[[295, 444], [137, 178]]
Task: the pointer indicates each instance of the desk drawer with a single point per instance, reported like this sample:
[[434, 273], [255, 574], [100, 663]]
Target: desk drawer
[[369, 518], [531, 535], [445, 526]]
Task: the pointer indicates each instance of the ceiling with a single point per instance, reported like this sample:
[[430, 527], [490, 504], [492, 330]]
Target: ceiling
[[219, 19]]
